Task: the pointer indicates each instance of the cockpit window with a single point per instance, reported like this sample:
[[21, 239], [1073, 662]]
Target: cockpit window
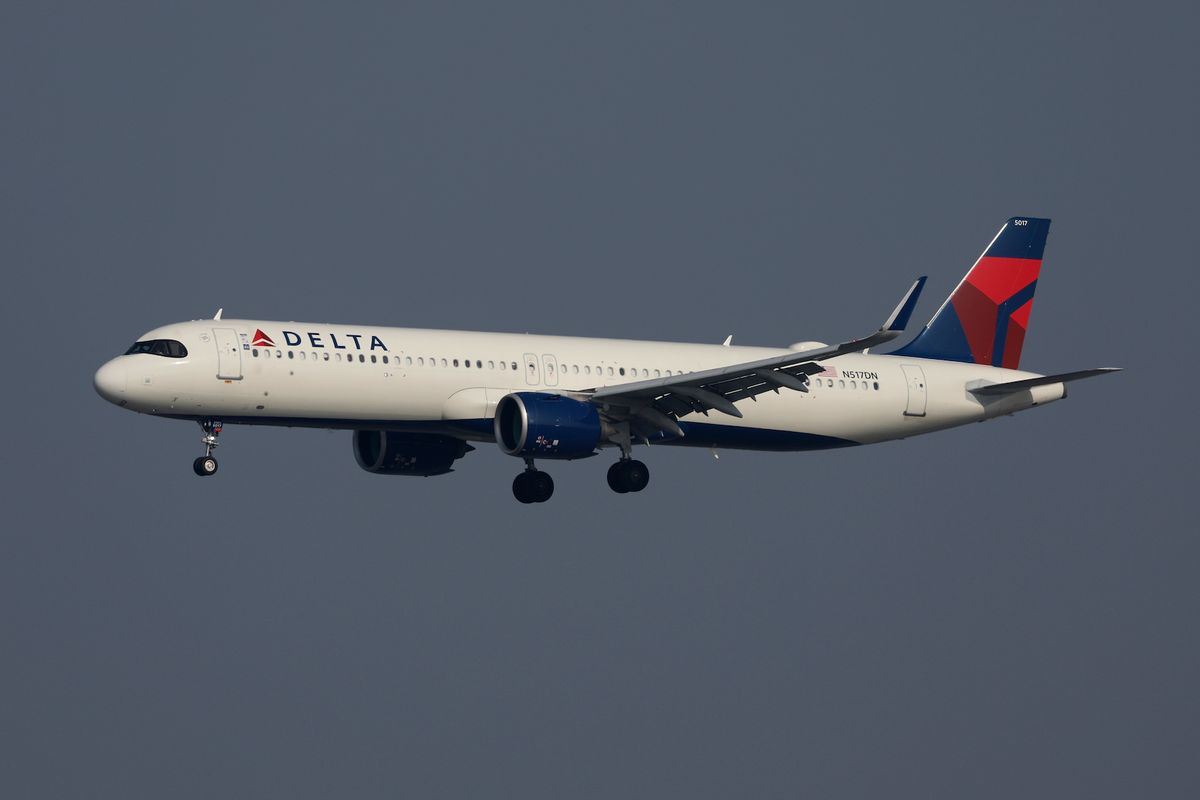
[[159, 347]]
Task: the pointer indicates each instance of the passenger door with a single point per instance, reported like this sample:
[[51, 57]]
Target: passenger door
[[229, 354], [915, 376]]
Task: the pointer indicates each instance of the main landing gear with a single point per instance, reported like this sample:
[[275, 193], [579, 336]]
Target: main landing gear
[[207, 465], [628, 475], [532, 485]]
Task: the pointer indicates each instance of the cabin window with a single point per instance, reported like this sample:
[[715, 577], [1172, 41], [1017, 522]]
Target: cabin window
[[254, 353], [514, 366], [456, 362], [324, 356], [373, 361], [491, 365], [610, 371]]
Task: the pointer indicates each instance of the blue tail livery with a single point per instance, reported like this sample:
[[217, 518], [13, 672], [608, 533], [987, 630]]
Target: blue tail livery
[[984, 319]]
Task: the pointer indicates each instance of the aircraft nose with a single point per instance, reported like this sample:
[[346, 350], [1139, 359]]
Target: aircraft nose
[[110, 382]]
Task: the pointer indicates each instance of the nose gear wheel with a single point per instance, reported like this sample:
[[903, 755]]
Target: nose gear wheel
[[206, 465]]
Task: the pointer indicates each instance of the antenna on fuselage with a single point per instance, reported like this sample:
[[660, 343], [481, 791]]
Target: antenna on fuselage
[[218, 314]]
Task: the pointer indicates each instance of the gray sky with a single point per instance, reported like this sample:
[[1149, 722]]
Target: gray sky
[[1003, 610]]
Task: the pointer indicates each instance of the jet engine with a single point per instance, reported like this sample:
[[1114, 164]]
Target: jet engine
[[392, 453], [539, 425]]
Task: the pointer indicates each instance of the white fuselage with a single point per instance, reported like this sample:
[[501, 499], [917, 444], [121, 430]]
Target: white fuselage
[[405, 379]]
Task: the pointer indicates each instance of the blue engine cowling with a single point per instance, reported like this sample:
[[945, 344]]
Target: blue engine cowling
[[393, 453], [538, 425]]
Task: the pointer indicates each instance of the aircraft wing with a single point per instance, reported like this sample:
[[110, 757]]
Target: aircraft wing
[[654, 405]]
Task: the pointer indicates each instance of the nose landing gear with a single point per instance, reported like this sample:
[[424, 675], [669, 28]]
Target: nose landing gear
[[207, 465], [532, 485]]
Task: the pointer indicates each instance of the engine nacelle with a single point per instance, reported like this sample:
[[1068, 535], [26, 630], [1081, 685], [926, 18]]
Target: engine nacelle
[[538, 425], [392, 453]]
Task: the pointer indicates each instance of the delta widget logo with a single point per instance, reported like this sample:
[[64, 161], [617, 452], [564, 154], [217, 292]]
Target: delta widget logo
[[320, 340]]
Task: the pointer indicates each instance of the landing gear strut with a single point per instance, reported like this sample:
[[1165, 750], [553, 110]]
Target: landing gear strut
[[532, 485], [628, 475], [207, 465]]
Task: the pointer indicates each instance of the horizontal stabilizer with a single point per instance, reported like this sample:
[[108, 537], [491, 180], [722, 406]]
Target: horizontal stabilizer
[[1017, 386]]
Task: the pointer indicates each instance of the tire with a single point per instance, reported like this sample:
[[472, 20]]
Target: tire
[[204, 466], [542, 486], [616, 478], [637, 475], [522, 489]]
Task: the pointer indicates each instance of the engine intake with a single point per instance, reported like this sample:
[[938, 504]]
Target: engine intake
[[392, 453], [535, 424]]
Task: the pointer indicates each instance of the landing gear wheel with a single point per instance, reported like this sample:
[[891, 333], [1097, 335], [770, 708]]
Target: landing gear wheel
[[204, 466], [637, 475], [521, 488], [616, 478], [542, 485], [628, 475], [533, 486]]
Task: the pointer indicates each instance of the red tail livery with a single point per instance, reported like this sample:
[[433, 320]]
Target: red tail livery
[[985, 318]]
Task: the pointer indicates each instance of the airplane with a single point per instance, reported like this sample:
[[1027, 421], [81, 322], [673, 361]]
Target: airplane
[[416, 399]]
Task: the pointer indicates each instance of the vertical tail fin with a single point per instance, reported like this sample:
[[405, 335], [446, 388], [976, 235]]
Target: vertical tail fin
[[984, 319]]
